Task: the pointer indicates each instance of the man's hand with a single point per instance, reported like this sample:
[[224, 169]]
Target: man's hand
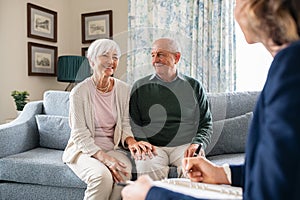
[[137, 190], [190, 151]]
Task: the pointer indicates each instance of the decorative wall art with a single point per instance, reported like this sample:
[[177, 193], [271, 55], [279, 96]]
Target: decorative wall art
[[41, 23], [84, 51], [41, 59], [96, 25]]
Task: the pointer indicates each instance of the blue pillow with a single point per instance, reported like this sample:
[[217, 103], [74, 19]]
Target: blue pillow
[[54, 131]]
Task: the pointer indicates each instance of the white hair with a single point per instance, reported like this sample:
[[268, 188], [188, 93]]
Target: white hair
[[102, 46]]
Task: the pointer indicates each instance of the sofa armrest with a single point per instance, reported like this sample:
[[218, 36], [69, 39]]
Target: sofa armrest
[[21, 134]]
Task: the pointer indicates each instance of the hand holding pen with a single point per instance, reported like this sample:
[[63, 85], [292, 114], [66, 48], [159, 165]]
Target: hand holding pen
[[198, 150], [200, 169], [194, 150], [195, 154]]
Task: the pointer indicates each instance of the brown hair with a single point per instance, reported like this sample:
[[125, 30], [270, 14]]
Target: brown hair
[[276, 19]]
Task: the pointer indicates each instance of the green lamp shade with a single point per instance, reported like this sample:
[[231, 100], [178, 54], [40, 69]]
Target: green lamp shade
[[73, 69]]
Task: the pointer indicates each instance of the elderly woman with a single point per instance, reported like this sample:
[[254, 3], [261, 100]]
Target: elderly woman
[[272, 164], [100, 129]]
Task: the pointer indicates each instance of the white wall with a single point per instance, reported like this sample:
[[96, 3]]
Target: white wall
[[13, 44], [120, 24]]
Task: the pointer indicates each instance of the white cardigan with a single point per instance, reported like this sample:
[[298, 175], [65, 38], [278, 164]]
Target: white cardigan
[[82, 123]]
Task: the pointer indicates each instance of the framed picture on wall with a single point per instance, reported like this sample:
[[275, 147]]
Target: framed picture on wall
[[41, 59], [96, 25], [41, 23], [84, 51]]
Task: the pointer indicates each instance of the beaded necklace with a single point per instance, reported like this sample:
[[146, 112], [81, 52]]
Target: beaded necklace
[[104, 89]]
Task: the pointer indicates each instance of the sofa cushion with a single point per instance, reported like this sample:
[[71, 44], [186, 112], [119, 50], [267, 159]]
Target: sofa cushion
[[232, 159], [39, 166], [229, 135], [231, 104], [56, 103], [25, 191], [54, 131]]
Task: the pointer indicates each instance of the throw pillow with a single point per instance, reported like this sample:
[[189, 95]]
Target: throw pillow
[[54, 131], [229, 135]]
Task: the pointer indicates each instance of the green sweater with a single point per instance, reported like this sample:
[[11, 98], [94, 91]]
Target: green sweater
[[170, 113]]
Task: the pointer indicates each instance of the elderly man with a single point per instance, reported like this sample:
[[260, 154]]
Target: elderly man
[[170, 111]]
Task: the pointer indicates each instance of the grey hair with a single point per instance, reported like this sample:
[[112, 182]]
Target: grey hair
[[168, 44], [102, 46]]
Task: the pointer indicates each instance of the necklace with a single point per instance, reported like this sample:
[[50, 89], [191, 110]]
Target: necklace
[[104, 89]]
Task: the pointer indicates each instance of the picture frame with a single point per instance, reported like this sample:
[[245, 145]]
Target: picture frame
[[84, 51], [42, 60], [96, 25], [41, 23]]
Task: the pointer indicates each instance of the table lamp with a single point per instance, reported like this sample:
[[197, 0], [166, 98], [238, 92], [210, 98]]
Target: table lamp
[[72, 69]]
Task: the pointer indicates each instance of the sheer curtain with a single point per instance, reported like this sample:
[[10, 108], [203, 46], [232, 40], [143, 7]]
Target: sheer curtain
[[203, 28]]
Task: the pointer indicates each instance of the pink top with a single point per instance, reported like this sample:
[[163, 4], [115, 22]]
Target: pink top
[[105, 119]]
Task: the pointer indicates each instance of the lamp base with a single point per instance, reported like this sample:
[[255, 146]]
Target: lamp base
[[70, 86]]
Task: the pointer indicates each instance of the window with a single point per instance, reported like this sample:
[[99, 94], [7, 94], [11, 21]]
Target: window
[[252, 64]]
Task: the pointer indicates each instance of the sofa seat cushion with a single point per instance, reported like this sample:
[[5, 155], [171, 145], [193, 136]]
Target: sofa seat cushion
[[54, 131], [39, 166], [232, 159], [24, 191]]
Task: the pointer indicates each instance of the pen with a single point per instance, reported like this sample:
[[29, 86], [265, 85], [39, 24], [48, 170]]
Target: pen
[[195, 155], [197, 150]]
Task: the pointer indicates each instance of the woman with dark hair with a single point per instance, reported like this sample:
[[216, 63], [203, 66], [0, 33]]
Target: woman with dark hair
[[272, 165]]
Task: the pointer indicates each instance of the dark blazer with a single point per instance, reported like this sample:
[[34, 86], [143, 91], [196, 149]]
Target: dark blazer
[[272, 164]]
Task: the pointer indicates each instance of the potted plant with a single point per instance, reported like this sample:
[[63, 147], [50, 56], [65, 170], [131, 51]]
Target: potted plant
[[21, 98]]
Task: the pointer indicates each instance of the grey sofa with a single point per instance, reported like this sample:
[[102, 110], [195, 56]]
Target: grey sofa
[[31, 146]]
